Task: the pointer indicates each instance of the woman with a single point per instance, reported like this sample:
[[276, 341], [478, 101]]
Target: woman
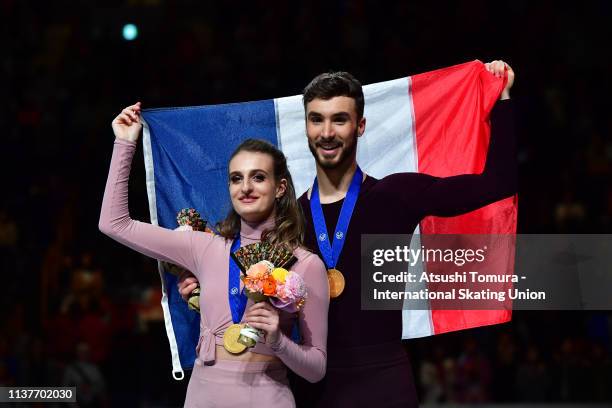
[[264, 208]]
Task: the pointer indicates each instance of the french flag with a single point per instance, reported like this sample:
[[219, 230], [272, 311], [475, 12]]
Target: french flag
[[435, 123]]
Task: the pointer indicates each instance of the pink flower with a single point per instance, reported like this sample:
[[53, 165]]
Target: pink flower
[[294, 287], [290, 296], [257, 271], [285, 305]]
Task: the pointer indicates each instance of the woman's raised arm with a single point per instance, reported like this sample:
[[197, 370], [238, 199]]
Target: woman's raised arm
[[160, 243]]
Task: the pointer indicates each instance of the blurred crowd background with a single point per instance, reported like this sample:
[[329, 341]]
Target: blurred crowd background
[[77, 308]]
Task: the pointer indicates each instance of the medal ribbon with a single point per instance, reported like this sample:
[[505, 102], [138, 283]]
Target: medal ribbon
[[331, 252], [237, 298]]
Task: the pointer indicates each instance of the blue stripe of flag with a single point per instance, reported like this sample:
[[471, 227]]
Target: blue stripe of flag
[[191, 148]]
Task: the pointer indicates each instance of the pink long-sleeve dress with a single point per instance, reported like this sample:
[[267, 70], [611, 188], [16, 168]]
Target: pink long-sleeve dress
[[207, 257]]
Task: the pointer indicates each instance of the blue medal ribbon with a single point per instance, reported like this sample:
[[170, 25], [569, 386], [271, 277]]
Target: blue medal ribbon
[[331, 251], [237, 298]]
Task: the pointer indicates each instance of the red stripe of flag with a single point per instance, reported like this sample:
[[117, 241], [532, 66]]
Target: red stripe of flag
[[451, 108]]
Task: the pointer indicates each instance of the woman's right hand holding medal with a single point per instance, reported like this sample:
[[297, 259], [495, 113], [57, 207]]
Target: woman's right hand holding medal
[[186, 283], [127, 124]]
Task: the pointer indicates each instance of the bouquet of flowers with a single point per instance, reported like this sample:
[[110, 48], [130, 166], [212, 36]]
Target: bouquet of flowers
[[266, 277], [188, 219]]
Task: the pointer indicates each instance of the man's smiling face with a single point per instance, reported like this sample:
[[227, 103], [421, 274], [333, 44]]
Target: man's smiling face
[[332, 127]]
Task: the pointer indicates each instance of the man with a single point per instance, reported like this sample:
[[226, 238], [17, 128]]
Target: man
[[367, 364]]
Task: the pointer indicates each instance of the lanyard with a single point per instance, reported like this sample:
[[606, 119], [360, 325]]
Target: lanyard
[[331, 252], [237, 298]]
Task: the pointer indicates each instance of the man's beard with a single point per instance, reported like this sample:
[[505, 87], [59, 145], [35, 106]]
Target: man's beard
[[346, 154]]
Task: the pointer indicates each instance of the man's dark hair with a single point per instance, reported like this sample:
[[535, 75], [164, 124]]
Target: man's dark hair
[[331, 84]]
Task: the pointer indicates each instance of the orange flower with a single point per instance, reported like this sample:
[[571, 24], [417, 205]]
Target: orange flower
[[269, 286]]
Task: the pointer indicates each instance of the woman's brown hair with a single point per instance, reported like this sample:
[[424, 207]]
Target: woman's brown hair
[[289, 223]]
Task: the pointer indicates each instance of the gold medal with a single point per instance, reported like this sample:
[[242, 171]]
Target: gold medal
[[194, 299], [230, 339], [336, 282]]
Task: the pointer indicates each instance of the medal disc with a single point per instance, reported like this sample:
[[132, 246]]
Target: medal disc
[[336, 282], [194, 300], [230, 339]]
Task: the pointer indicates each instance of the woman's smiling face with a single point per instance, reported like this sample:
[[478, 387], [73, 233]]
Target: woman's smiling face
[[252, 185]]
